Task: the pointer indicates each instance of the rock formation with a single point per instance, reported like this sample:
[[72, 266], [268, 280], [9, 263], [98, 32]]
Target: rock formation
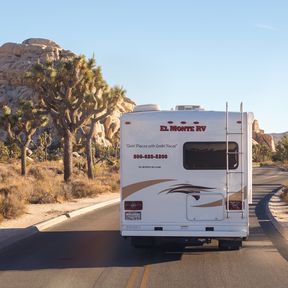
[[278, 136], [261, 138], [17, 59]]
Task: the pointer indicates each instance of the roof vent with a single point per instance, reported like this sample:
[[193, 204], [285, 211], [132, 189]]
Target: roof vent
[[146, 107], [189, 107]]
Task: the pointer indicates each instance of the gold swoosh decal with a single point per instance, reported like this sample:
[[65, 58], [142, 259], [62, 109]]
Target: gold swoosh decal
[[211, 204], [234, 197], [132, 188]]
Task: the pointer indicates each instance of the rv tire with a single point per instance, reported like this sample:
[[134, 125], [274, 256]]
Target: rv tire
[[230, 244]]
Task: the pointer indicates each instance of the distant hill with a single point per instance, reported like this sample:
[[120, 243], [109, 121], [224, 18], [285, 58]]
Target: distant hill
[[277, 136]]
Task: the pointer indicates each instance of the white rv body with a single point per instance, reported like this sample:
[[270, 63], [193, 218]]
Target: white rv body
[[168, 190]]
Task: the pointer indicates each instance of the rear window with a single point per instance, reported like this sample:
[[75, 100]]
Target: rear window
[[209, 155]]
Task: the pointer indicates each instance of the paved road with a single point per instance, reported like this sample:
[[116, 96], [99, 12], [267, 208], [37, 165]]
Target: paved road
[[88, 252]]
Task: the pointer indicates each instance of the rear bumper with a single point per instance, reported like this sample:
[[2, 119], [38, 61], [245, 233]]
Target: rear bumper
[[204, 234]]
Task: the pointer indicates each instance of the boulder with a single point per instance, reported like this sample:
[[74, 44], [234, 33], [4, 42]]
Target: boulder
[[261, 138], [16, 59]]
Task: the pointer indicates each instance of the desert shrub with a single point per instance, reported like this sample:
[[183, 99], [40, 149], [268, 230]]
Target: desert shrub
[[52, 192], [6, 173], [110, 180], [11, 206], [100, 169], [42, 195], [267, 163], [79, 166], [4, 152], [14, 150], [37, 173], [15, 185], [44, 184], [115, 182], [284, 195], [115, 168], [282, 150], [44, 171], [88, 188], [49, 189], [261, 153], [65, 191], [13, 195], [283, 165], [56, 155]]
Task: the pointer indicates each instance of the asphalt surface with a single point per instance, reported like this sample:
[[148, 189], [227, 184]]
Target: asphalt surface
[[87, 251]]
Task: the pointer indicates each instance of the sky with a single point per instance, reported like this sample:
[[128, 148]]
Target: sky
[[205, 52]]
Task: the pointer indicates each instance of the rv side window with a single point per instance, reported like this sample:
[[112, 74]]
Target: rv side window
[[209, 155]]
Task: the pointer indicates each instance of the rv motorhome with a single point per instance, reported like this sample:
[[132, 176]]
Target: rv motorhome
[[186, 174]]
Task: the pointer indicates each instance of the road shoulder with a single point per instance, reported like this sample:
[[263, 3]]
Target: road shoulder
[[39, 217], [277, 211]]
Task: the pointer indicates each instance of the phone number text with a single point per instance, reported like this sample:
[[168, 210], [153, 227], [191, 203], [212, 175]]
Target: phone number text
[[150, 156]]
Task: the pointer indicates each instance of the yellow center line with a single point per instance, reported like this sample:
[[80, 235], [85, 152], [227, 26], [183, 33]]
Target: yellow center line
[[133, 277], [144, 281]]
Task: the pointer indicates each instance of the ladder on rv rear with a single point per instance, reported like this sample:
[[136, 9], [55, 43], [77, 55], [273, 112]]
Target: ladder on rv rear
[[240, 159]]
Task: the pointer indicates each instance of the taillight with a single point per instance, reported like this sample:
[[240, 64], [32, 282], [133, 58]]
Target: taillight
[[133, 205], [235, 205]]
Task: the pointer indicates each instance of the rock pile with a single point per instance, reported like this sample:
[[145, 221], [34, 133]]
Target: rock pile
[[16, 59], [259, 137]]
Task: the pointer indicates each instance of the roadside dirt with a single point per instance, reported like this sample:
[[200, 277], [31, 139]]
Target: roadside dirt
[[36, 213]]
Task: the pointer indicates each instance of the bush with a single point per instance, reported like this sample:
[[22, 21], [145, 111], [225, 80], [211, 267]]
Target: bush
[[267, 163], [88, 188], [42, 194], [44, 184], [37, 173], [48, 186], [284, 195], [261, 153], [116, 166], [11, 206], [4, 152], [282, 150], [14, 151]]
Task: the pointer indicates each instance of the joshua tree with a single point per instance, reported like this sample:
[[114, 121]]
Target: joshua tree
[[22, 124], [106, 103], [45, 141], [69, 89]]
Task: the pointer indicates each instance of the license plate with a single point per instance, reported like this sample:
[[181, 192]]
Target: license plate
[[132, 215]]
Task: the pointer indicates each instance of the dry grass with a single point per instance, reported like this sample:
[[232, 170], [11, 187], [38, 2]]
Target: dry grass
[[44, 184], [284, 166], [267, 163], [11, 206], [284, 195], [82, 188]]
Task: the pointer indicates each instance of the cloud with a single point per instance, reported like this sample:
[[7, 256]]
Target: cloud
[[265, 27]]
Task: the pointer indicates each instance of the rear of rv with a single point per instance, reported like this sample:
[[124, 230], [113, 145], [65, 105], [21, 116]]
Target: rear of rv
[[186, 174]]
